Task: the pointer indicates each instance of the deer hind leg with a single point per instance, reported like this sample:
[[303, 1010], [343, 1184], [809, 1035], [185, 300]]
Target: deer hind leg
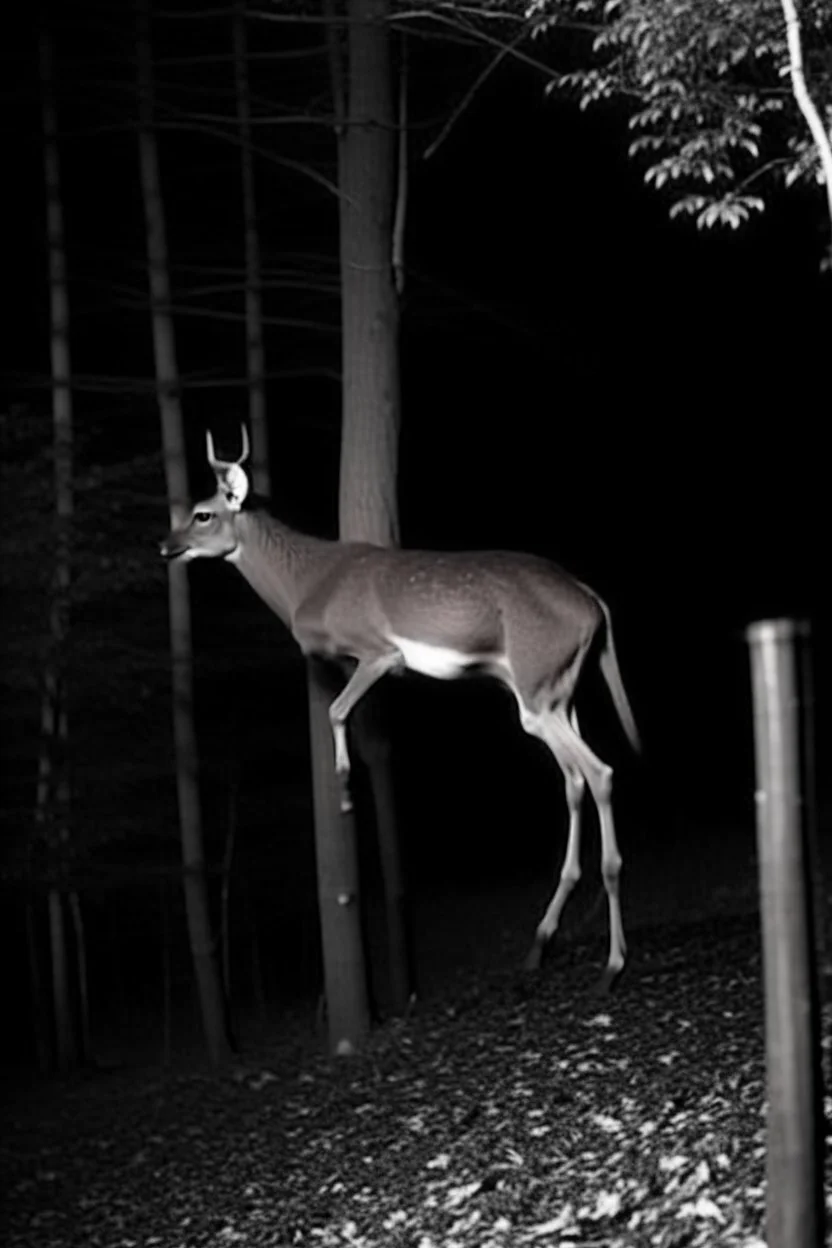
[[564, 740], [576, 758], [571, 868]]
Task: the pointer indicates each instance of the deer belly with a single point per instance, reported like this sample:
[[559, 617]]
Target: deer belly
[[441, 662]]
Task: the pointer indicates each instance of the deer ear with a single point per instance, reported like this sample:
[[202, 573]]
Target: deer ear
[[234, 487]]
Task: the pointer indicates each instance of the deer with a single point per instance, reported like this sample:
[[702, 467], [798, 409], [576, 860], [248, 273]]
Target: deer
[[516, 618]]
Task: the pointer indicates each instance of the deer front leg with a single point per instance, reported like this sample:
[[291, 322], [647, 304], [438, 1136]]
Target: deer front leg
[[362, 679]]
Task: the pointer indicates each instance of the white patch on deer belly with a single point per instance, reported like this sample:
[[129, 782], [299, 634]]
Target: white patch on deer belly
[[440, 662]]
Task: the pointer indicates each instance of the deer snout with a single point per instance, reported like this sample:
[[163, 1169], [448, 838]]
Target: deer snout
[[172, 547]]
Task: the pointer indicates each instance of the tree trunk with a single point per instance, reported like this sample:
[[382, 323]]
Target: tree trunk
[[84, 1033], [368, 509], [209, 986], [167, 979], [225, 889], [53, 799], [336, 858], [40, 1024], [64, 1030], [372, 737], [255, 352], [257, 985], [345, 981]]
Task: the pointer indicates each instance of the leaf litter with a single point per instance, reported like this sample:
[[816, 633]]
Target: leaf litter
[[526, 1115]]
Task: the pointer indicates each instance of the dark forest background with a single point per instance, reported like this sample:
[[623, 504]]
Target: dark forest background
[[581, 378]]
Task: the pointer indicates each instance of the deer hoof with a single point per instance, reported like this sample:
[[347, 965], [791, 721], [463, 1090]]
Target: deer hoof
[[609, 978], [534, 958]]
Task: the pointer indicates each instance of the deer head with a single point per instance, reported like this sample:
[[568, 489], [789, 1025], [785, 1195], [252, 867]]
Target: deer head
[[210, 528]]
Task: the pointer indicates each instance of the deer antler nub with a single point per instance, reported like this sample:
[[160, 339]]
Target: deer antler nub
[[231, 477], [226, 463]]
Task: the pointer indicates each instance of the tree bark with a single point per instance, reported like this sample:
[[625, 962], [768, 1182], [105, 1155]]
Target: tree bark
[[343, 957], [368, 509], [225, 890], [339, 902], [82, 977], [54, 788], [167, 978], [209, 986], [336, 849], [255, 350], [64, 1031], [40, 1025]]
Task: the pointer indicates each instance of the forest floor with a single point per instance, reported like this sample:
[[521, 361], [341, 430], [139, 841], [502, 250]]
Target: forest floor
[[501, 1113]]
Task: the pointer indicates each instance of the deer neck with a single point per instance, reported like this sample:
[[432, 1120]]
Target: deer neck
[[280, 564]]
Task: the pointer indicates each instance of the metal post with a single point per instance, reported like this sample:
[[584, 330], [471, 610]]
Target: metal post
[[794, 1200]]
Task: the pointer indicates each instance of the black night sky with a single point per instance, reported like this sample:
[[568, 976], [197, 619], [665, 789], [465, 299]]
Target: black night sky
[[582, 378]]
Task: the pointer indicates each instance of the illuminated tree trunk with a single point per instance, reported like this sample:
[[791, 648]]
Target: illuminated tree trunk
[[255, 352], [368, 510], [336, 857]]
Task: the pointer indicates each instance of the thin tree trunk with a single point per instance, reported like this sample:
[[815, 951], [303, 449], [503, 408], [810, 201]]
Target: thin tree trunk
[[339, 902], [64, 1031], [226, 889], [368, 510], [336, 848], [40, 1024], [209, 986], [373, 739], [54, 785], [84, 1032], [255, 351], [167, 980], [257, 986], [807, 106], [400, 217], [122, 1011], [348, 1015], [45, 822]]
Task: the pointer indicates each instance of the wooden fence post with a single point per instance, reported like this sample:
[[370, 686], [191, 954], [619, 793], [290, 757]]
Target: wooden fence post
[[794, 1154]]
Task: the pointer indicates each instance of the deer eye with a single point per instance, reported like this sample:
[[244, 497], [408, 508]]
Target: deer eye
[[203, 517]]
